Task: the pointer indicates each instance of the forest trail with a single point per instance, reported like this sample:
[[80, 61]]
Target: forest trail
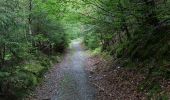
[[67, 80]]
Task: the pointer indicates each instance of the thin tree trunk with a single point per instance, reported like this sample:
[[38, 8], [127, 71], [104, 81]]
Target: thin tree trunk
[[29, 18], [3, 52]]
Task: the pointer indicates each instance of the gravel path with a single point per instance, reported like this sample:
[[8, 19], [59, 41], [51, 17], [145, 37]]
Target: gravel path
[[68, 80]]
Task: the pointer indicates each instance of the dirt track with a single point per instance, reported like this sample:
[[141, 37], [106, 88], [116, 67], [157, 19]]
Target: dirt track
[[67, 80]]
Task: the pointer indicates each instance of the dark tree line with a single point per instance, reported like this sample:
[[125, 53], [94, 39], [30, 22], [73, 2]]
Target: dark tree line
[[135, 32]]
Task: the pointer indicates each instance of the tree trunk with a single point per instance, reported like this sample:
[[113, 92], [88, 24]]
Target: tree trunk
[[2, 56], [29, 18]]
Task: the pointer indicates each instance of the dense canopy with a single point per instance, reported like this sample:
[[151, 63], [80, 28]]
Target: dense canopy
[[34, 34]]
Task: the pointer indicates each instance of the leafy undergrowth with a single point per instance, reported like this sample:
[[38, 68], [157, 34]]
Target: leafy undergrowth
[[17, 82], [117, 83]]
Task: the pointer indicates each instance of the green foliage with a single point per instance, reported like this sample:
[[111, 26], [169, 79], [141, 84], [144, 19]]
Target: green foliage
[[91, 41], [96, 51], [20, 80], [46, 27], [134, 31], [31, 34], [4, 74], [17, 83]]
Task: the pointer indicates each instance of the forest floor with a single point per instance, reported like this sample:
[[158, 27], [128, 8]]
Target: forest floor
[[114, 83], [67, 80]]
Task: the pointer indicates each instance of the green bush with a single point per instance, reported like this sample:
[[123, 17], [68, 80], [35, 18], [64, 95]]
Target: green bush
[[91, 40]]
